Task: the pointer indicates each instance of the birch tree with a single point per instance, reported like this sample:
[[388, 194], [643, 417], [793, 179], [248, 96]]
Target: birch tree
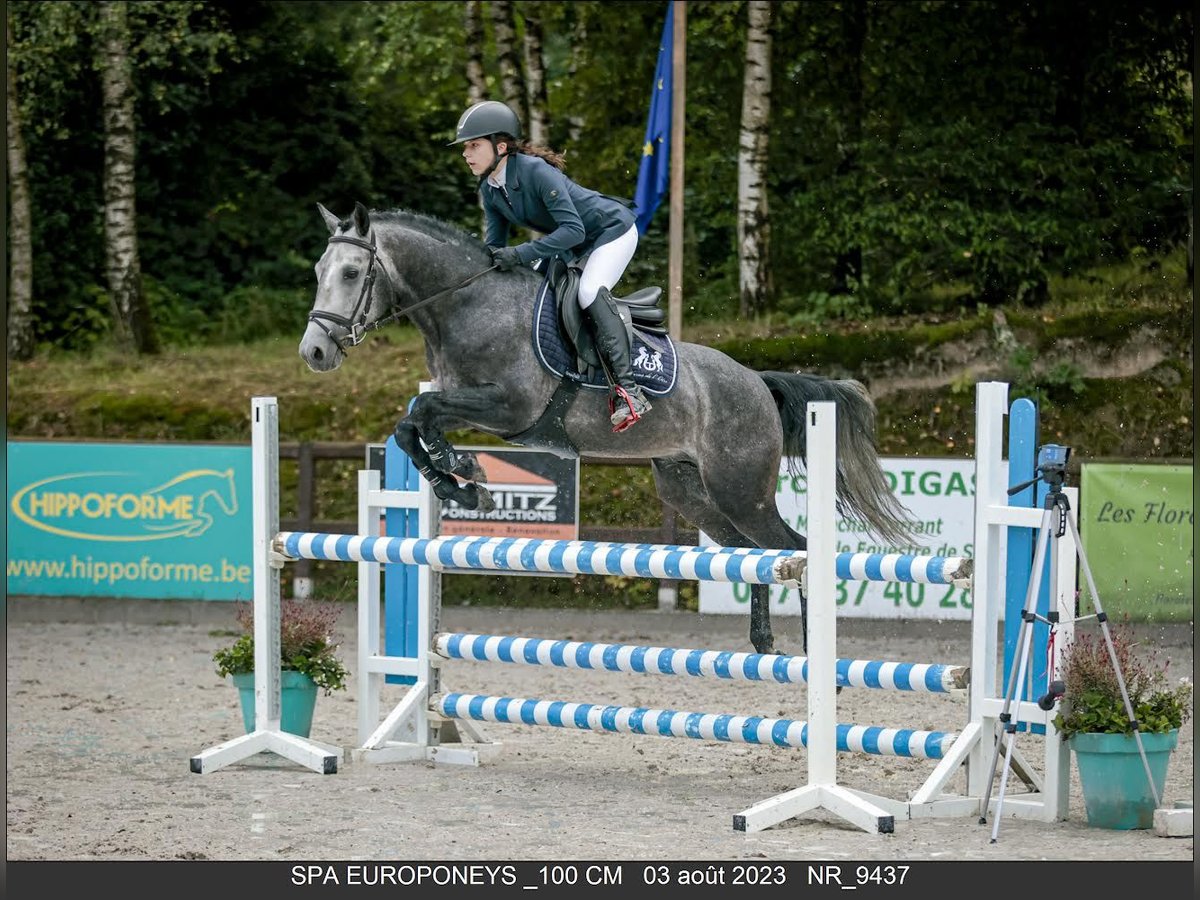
[[847, 273], [20, 231], [578, 18], [753, 232], [535, 78], [131, 316], [504, 34], [473, 25]]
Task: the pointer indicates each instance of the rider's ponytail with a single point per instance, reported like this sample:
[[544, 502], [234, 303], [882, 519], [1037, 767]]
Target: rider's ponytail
[[553, 157]]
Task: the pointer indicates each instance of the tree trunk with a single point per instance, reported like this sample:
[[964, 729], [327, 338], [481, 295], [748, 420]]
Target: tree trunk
[[535, 79], [20, 229], [134, 329], [512, 84], [847, 268], [753, 222], [578, 19], [473, 24]]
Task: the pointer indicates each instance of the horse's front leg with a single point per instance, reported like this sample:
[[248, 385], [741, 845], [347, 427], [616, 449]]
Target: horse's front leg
[[447, 458], [445, 485], [487, 408]]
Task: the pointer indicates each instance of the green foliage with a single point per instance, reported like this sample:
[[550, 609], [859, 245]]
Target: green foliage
[[306, 644], [1062, 382], [916, 159], [1093, 703], [158, 418]]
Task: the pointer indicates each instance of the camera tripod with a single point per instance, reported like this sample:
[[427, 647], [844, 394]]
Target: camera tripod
[[1051, 469]]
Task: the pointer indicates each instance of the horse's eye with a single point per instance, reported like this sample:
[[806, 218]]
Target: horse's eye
[[350, 273]]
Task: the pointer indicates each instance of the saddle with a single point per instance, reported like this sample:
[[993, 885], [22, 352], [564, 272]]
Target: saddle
[[640, 308], [564, 347]]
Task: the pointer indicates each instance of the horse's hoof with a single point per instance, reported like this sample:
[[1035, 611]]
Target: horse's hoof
[[469, 469], [476, 496], [445, 489], [485, 502]]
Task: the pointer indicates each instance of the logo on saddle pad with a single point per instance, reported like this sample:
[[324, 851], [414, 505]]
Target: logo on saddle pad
[[648, 362], [653, 358]]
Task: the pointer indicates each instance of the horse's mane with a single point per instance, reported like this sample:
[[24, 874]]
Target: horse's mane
[[426, 224]]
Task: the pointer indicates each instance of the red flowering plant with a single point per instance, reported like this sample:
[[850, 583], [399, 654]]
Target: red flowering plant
[[306, 644], [1092, 702]]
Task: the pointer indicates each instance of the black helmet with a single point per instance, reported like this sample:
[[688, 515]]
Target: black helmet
[[485, 118]]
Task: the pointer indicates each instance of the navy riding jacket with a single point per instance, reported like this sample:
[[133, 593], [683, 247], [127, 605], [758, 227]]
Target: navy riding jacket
[[574, 219]]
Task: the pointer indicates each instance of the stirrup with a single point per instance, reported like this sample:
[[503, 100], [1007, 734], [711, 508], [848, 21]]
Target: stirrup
[[635, 408]]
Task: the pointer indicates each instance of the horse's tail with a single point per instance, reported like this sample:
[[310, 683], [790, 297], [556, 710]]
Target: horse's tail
[[862, 491]]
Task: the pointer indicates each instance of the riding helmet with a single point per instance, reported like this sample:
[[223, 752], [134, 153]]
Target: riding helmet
[[485, 118]]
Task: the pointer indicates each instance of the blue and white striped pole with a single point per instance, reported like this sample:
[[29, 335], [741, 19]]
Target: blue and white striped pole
[[746, 566], [700, 726], [896, 676]]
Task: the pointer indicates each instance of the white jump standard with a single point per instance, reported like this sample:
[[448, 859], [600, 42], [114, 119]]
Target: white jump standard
[[268, 735]]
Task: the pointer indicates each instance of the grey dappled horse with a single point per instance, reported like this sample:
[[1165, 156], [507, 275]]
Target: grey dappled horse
[[714, 442]]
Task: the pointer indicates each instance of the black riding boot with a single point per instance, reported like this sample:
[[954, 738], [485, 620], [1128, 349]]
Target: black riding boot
[[613, 344]]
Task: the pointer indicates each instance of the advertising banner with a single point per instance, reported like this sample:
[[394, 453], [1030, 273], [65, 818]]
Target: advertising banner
[[1136, 524], [939, 494], [536, 495], [129, 520]]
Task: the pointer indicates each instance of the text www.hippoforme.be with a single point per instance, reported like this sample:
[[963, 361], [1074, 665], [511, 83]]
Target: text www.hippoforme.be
[[99, 571]]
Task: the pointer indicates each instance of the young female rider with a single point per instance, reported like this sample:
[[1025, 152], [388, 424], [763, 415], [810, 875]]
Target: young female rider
[[525, 186]]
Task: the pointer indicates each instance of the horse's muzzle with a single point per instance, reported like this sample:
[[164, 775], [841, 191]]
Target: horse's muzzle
[[319, 352]]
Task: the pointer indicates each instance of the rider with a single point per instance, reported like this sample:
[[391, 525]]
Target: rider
[[524, 185]]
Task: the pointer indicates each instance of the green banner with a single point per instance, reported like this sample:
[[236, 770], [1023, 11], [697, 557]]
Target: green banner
[[1136, 525]]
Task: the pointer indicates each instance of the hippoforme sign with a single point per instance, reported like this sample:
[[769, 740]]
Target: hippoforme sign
[[111, 506]]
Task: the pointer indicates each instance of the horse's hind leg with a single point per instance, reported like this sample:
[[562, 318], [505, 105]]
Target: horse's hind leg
[[680, 487]]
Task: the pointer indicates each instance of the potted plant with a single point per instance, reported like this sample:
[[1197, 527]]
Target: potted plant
[[308, 660], [1093, 719]]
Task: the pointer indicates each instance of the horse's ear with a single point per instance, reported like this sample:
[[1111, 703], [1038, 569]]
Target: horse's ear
[[362, 219], [331, 221]]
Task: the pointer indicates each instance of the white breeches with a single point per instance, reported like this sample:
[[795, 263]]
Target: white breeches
[[606, 265]]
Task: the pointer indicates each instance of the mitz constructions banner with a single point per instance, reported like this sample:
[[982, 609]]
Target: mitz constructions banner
[[129, 520], [940, 495]]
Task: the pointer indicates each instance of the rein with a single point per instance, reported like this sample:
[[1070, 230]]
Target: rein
[[356, 324]]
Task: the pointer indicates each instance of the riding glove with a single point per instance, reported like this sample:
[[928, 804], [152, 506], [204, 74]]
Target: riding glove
[[505, 258]]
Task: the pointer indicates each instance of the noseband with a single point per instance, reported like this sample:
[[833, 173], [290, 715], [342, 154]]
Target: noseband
[[356, 325]]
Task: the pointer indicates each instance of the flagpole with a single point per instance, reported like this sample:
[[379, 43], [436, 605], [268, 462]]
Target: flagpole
[[675, 237]]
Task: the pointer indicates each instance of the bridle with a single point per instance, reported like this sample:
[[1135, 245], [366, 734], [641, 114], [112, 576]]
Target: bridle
[[356, 325]]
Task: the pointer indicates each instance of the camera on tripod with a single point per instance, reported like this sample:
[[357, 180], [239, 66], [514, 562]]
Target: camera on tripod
[[1052, 462], [1051, 468]]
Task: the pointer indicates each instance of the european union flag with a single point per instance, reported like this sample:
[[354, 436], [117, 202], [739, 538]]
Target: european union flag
[[654, 172]]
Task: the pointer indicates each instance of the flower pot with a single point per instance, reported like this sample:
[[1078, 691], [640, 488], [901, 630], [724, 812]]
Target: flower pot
[[297, 698], [1115, 790]]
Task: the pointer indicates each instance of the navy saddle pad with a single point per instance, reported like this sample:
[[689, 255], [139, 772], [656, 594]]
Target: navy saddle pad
[[653, 357]]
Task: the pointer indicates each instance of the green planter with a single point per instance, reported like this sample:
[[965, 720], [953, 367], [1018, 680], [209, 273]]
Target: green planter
[[1115, 790], [297, 698]]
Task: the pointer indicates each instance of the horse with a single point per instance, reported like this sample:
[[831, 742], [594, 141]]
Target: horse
[[715, 442]]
